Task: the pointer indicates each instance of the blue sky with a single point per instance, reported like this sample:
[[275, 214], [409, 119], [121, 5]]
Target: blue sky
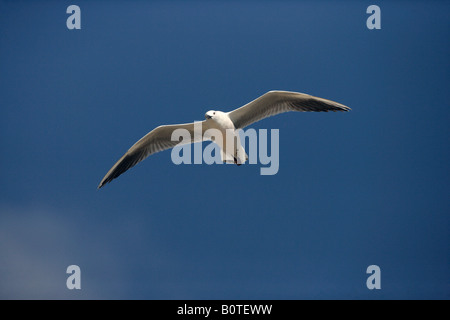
[[356, 189]]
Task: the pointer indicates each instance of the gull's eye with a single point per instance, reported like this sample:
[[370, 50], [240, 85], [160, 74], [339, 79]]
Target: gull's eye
[[214, 113]]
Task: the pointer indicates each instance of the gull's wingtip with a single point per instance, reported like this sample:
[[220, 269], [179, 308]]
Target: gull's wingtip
[[341, 107], [101, 184]]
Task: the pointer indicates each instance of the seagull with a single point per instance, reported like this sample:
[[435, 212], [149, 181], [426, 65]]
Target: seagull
[[267, 105]]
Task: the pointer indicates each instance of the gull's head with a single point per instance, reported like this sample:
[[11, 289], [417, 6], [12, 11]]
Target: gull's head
[[210, 114]]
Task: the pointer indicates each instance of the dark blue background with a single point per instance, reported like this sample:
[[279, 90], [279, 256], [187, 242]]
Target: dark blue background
[[367, 187]]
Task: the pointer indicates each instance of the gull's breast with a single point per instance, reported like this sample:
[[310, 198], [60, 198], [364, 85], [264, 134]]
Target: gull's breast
[[224, 122]]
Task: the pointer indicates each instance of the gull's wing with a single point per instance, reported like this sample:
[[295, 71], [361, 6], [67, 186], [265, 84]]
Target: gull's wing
[[157, 140], [275, 102]]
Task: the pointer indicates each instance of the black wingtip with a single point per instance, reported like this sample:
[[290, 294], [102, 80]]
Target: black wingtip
[[343, 108], [101, 185]]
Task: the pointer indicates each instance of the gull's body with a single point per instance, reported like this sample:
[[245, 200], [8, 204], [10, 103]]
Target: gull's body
[[230, 151], [228, 123]]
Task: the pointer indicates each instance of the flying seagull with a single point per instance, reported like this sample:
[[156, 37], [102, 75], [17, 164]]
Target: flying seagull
[[267, 105]]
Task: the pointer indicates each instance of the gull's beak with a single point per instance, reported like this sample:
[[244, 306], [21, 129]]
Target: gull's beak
[[207, 116]]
